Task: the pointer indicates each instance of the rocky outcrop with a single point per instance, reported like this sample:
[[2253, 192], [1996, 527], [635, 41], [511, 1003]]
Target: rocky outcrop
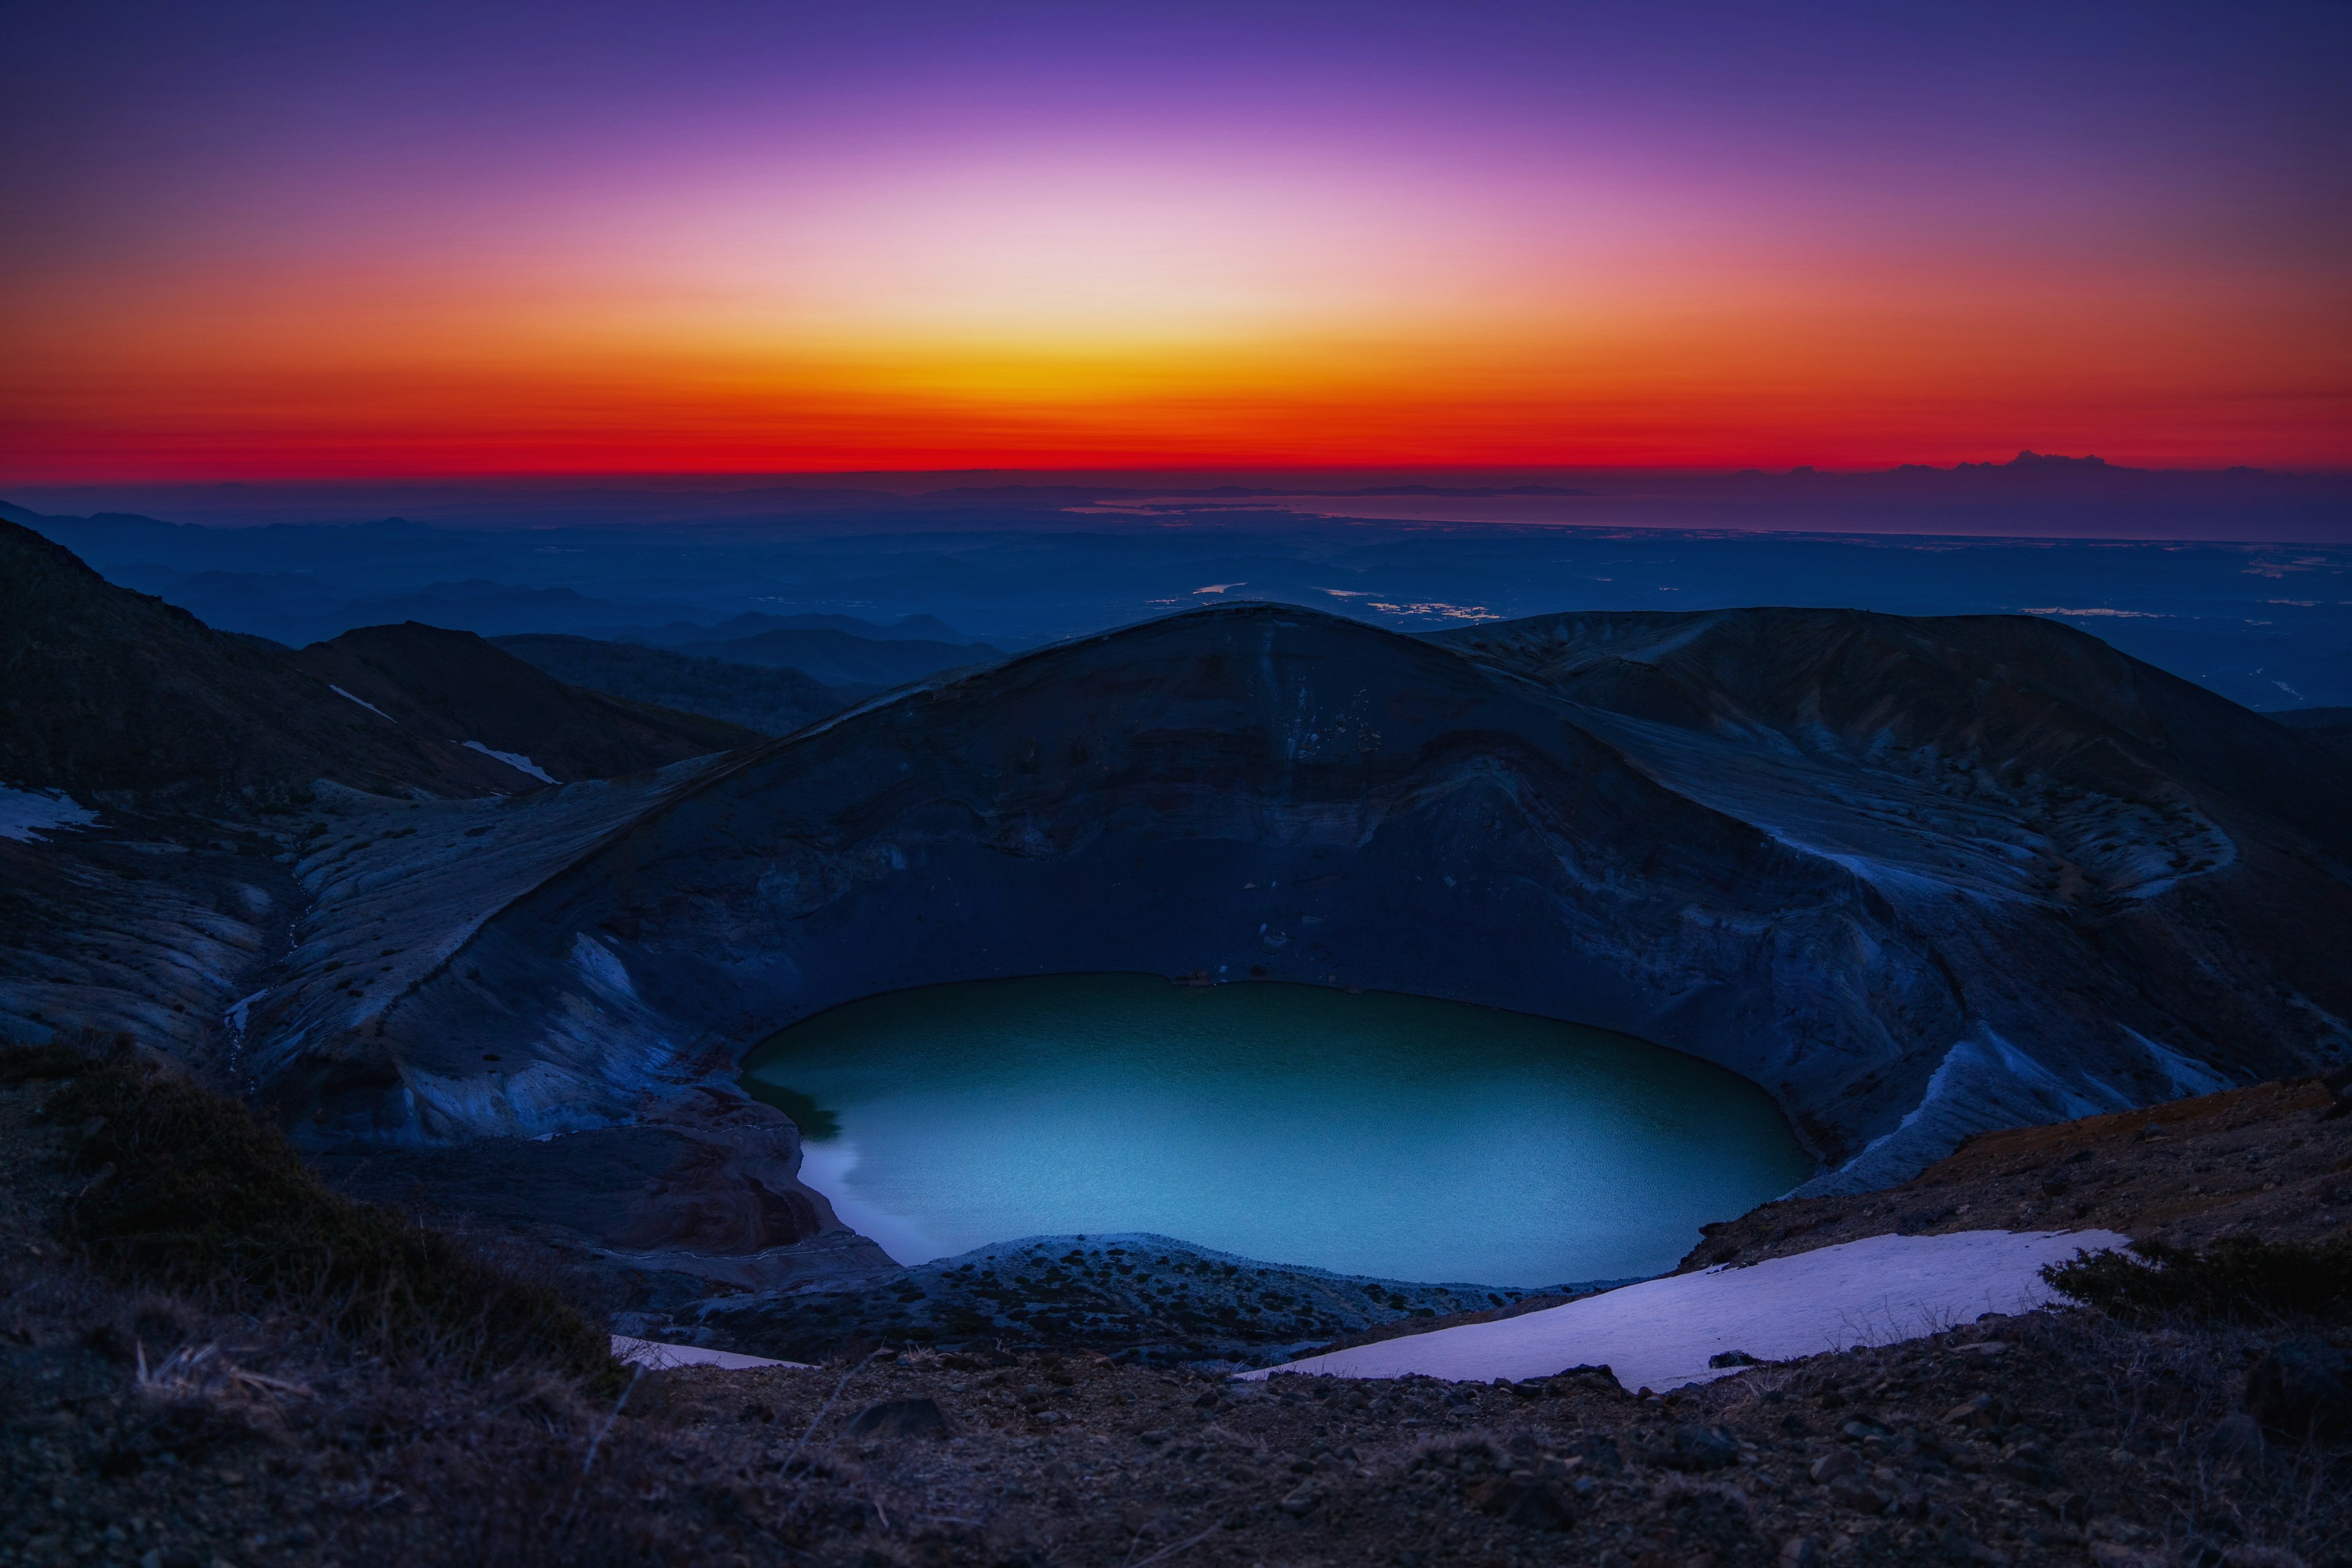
[[1911, 895]]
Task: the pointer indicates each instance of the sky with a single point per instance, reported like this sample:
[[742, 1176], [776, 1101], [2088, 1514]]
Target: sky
[[260, 241]]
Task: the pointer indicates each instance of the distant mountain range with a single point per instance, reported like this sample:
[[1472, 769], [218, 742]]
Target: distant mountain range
[[679, 633], [773, 702], [837, 658], [105, 691]]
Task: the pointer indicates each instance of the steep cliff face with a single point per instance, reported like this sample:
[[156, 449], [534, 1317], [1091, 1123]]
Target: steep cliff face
[[1266, 791]]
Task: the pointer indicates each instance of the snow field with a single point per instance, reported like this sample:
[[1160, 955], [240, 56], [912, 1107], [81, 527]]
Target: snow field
[[1659, 1334]]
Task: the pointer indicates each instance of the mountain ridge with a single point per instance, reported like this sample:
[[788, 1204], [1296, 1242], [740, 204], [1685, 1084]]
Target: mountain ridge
[[1891, 1005], [105, 691]]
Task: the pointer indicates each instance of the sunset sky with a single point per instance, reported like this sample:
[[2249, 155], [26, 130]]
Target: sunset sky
[[260, 241]]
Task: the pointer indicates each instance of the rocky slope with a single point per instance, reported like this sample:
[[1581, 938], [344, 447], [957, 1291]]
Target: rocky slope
[[2015, 908], [2329, 728], [2268, 1162], [1981, 772]]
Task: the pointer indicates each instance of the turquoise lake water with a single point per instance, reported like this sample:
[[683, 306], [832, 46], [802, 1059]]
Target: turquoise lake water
[[1371, 1134]]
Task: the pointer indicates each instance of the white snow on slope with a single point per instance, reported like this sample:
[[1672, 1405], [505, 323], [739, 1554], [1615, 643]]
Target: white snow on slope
[[2189, 1077], [24, 813], [1659, 1334], [241, 1010], [363, 703], [515, 760], [654, 1356]]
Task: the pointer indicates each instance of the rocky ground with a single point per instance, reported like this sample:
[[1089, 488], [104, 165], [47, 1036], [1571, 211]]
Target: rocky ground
[[1151, 1299], [141, 1426], [2269, 1161]]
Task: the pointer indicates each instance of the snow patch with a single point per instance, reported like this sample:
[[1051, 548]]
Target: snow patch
[[2187, 1076], [655, 1356], [25, 813], [241, 1009], [1659, 1334], [515, 760], [1982, 1082], [601, 970], [363, 703]]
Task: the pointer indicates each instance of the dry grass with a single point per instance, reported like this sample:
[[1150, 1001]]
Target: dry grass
[[185, 1190]]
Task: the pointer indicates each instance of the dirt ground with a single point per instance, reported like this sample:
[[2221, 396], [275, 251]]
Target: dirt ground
[[2268, 1161]]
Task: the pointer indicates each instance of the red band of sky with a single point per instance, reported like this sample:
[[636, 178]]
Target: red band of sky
[[285, 242]]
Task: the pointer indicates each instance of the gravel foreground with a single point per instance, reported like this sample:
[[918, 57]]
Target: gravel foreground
[[140, 1426], [2056, 1437]]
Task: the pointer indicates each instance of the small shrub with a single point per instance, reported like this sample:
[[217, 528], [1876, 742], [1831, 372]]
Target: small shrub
[[189, 1191], [2233, 1280], [32, 1064]]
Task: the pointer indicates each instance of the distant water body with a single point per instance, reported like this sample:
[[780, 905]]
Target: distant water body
[[1371, 1134]]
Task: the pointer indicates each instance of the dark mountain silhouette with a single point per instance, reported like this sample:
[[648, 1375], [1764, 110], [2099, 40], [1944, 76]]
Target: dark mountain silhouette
[[837, 658], [102, 690], [477, 606], [465, 691], [2329, 728], [771, 701]]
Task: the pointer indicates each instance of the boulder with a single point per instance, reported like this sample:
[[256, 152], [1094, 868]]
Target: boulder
[[2302, 1386]]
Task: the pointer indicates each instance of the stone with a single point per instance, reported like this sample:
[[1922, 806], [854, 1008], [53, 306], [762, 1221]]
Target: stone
[[1852, 1493], [2302, 1387], [1701, 1448], [901, 1418], [1831, 1465], [1514, 1500]]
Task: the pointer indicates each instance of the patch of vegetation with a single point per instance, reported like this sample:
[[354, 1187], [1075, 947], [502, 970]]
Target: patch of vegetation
[[36, 1064], [189, 1191], [817, 1124], [2237, 1280]]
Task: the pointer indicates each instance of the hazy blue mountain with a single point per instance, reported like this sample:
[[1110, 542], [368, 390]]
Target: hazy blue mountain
[[678, 634], [109, 690], [774, 701], [837, 658]]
